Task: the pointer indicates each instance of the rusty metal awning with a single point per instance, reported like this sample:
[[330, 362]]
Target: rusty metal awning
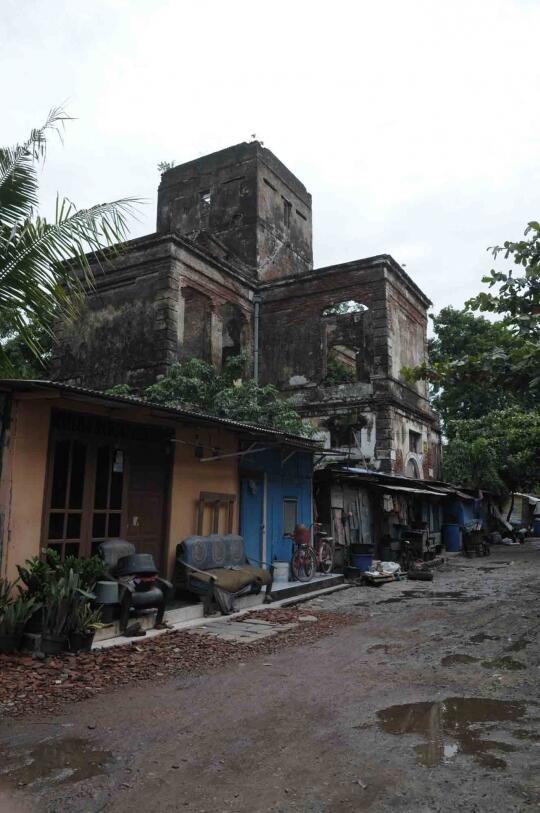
[[411, 490]]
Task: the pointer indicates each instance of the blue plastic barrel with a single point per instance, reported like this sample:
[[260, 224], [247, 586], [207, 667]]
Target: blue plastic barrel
[[451, 535], [362, 561], [536, 526]]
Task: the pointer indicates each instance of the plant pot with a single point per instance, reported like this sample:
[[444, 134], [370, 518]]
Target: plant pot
[[109, 612], [10, 643], [34, 625], [53, 644], [81, 641]]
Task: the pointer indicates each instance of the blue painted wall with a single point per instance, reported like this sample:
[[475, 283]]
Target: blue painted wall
[[292, 479], [461, 512]]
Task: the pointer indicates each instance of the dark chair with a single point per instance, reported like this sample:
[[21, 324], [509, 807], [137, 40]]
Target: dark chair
[[141, 588], [210, 565]]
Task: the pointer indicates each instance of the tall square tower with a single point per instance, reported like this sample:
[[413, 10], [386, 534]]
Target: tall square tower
[[246, 199]]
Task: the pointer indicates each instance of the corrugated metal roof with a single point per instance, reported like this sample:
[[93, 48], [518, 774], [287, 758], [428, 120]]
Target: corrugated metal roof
[[432, 492], [412, 484], [186, 414]]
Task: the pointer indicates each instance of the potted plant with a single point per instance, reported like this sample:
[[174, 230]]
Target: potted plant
[[14, 613], [89, 570], [37, 575], [61, 598], [85, 621]]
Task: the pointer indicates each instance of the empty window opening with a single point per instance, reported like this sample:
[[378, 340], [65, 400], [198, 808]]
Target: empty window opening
[[415, 442], [287, 208], [341, 365], [345, 430], [412, 469], [343, 308], [205, 197], [290, 515], [233, 332], [196, 326]]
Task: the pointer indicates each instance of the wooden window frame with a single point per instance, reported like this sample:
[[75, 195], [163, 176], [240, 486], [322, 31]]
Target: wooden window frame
[[92, 442], [215, 500]]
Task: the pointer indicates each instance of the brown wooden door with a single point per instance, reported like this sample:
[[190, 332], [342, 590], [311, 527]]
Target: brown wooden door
[[147, 490]]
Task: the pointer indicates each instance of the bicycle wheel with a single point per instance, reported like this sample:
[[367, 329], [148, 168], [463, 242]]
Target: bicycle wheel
[[326, 557], [303, 564]]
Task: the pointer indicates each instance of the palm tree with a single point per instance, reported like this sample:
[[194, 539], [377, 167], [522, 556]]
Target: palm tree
[[45, 266]]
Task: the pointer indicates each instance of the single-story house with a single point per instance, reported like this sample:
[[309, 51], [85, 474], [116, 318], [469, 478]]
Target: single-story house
[[524, 508], [377, 511], [79, 466]]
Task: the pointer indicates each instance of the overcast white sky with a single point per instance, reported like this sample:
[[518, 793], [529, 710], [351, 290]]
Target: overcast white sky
[[415, 125]]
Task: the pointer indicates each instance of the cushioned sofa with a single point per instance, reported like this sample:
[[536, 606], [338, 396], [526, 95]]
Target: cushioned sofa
[[217, 569]]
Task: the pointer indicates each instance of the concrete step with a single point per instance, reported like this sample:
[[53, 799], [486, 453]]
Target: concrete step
[[195, 611], [291, 589]]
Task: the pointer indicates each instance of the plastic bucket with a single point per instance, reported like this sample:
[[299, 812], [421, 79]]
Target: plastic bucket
[[281, 571], [362, 561], [106, 593], [451, 535], [536, 526]]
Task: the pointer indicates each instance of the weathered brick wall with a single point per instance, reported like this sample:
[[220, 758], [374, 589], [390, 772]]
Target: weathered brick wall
[[291, 327], [248, 200], [122, 334]]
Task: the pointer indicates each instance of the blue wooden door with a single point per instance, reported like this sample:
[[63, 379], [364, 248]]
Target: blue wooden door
[[288, 503], [251, 514]]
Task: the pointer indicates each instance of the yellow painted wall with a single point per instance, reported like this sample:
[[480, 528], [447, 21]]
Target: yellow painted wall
[[190, 477], [23, 482]]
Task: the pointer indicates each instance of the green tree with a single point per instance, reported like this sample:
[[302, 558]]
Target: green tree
[[515, 298], [502, 357], [459, 375], [198, 385], [44, 266], [499, 451]]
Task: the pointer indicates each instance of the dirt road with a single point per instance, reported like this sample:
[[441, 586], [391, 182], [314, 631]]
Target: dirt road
[[427, 703]]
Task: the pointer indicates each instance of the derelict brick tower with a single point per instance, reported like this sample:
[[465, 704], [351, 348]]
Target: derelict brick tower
[[246, 199], [232, 257]]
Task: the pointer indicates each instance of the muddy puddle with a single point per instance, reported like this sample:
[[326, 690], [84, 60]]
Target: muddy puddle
[[480, 637], [384, 648], [454, 595], [489, 568], [519, 645], [454, 660], [505, 662], [52, 761], [455, 726]]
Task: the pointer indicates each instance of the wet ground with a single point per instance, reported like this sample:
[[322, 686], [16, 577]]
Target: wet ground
[[428, 703]]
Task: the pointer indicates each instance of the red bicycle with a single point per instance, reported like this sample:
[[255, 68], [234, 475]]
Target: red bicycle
[[307, 559]]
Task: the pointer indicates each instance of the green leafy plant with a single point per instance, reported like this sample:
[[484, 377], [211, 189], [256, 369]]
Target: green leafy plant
[[60, 602], [337, 373], [6, 592], [89, 570], [86, 620], [44, 265], [196, 384], [499, 451], [38, 573], [14, 615]]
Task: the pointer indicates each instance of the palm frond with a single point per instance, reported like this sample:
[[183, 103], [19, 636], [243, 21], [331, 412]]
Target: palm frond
[[45, 267], [18, 176]]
